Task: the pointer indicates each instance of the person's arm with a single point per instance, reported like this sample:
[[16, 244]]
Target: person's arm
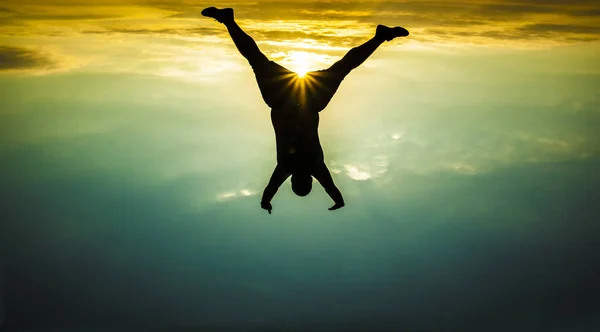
[[322, 175], [278, 177]]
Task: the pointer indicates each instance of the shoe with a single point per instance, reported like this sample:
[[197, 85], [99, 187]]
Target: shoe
[[388, 33], [221, 15]]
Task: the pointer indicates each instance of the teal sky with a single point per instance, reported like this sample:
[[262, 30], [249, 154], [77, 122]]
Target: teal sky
[[134, 147]]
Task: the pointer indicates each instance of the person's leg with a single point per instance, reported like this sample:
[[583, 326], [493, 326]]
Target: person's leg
[[273, 79], [356, 56], [320, 86], [244, 43], [325, 83]]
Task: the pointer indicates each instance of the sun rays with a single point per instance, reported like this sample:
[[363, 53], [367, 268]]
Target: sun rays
[[302, 86]]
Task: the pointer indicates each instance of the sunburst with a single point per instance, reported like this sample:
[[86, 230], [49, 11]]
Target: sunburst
[[300, 62], [304, 82]]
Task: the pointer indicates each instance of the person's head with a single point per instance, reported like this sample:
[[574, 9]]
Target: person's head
[[301, 184]]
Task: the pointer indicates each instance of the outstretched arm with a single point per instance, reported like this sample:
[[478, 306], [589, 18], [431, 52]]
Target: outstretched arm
[[322, 175], [278, 177]]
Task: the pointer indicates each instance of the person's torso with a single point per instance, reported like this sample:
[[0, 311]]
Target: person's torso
[[280, 86], [297, 137]]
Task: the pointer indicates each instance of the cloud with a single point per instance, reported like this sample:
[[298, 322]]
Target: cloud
[[20, 15], [458, 18], [508, 9], [113, 199], [462, 22], [73, 17], [557, 29], [530, 32], [516, 246], [5, 10], [195, 31], [19, 58]]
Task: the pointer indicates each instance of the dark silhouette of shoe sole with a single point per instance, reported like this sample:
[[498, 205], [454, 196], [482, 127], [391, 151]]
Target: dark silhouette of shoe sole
[[388, 33], [221, 15]]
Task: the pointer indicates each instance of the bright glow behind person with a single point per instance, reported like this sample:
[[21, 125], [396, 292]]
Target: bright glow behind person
[[301, 62]]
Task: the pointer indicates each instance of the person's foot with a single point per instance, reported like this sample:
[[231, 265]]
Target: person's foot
[[221, 15], [388, 33]]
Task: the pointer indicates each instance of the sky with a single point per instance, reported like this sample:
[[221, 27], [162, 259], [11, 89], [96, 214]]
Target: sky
[[135, 145]]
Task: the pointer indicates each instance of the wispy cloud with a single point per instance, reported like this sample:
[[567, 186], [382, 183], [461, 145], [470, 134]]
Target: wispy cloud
[[445, 20], [131, 30], [20, 58]]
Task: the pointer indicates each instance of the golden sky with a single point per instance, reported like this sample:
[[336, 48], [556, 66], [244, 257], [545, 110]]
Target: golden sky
[[135, 145], [467, 65], [113, 35]]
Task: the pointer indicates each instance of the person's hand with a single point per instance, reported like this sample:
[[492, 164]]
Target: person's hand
[[267, 206], [337, 206]]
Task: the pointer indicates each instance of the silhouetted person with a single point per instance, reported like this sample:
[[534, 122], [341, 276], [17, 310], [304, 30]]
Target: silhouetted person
[[295, 104]]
